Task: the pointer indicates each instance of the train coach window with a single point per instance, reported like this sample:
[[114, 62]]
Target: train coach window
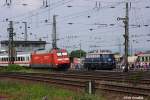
[[18, 59], [142, 58], [27, 58], [2, 59], [22, 59], [5, 59], [146, 58]]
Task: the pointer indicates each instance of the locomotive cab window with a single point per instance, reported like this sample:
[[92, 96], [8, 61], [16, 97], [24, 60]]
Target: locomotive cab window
[[64, 53], [59, 54]]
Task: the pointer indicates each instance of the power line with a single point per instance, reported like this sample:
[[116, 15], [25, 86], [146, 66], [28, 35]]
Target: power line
[[39, 10], [82, 13]]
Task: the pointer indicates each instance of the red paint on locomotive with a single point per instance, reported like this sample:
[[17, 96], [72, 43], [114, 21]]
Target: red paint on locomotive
[[55, 59]]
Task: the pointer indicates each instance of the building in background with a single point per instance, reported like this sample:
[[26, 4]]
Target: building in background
[[24, 46]]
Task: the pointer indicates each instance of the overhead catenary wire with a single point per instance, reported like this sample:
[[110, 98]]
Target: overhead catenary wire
[[40, 10], [63, 18]]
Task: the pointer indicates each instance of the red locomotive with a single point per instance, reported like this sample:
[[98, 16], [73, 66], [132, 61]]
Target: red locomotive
[[57, 58]]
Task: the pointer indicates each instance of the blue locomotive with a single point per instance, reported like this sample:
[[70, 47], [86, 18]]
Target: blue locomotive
[[99, 61]]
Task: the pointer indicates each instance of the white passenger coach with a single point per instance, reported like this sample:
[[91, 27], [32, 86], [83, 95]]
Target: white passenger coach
[[22, 59]]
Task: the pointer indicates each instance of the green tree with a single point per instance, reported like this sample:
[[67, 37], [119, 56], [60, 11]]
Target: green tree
[[77, 54]]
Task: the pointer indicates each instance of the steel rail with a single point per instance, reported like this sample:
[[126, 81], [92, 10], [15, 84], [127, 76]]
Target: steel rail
[[127, 79], [80, 81]]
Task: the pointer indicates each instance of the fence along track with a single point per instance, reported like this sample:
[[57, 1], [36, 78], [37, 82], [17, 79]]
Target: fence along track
[[80, 81]]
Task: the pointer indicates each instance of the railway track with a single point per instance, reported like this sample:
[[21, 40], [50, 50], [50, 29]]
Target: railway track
[[121, 78], [51, 80], [125, 88], [117, 77], [76, 81]]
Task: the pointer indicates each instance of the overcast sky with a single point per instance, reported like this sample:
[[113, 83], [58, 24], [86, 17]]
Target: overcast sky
[[91, 23]]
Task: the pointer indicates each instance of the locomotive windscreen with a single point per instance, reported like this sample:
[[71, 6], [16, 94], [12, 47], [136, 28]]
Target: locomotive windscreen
[[107, 57]]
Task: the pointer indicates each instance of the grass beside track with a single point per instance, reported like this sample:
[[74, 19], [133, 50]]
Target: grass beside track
[[17, 68], [16, 90]]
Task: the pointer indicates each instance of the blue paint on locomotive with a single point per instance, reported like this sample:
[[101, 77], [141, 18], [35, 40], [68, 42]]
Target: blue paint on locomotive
[[99, 61]]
